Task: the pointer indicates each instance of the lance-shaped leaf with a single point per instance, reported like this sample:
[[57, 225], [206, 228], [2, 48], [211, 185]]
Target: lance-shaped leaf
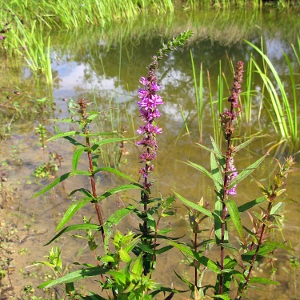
[[59, 180], [251, 203], [194, 255], [73, 208], [116, 172], [263, 280], [216, 172], [63, 134], [120, 188], [76, 156], [74, 276], [108, 141], [264, 249], [195, 206], [218, 223], [216, 148], [236, 219], [86, 226], [113, 220], [203, 170], [245, 144], [246, 172], [54, 183]]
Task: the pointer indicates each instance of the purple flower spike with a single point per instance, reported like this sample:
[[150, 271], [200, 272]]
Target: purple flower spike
[[231, 176], [148, 105]]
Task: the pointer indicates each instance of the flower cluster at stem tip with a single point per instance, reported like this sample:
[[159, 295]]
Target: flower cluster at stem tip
[[227, 118], [148, 106]]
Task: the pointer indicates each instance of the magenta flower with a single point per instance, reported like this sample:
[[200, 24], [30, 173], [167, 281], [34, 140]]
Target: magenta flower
[[231, 176], [148, 105]]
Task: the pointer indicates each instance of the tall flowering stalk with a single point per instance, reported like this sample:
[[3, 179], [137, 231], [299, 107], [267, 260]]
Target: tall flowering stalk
[[227, 122], [148, 106]]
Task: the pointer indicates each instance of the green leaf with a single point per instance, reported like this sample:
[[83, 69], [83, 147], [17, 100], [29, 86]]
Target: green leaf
[[107, 258], [246, 172], [252, 203], [190, 285], [74, 207], [276, 209], [194, 206], [263, 280], [120, 188], [116, 172], [208, 149], [93, 296], [200, 168], [113, 220], [124, 256], [194, 255], [54, 183], [76, 156], [74, 276], [138, 266], [264, 250], [63, 134], [108, 141], [236, 218], [216, 172], [119, 276], [75, 227], [245, 144], [216, 148], [218, 223], [163, 249], [73, 141]]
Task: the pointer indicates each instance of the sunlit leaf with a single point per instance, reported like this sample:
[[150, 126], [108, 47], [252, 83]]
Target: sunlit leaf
[[262, 280], [74, 276], [86, 226], [201, 169], [120, 188], [218, 223], [194, 255], [76, 156], [246, 172], [138, 266], [108, 141], [194, 206], [251, 204], [63, 134], [54, 183], [116, 172], [73, 208], [216, 172], [236, 218]]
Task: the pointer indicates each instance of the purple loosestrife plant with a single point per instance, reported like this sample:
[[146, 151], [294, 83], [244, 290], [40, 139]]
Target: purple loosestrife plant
[[148, 105], [228, 126]]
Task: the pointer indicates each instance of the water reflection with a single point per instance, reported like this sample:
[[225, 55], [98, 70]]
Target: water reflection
[[105, 66]]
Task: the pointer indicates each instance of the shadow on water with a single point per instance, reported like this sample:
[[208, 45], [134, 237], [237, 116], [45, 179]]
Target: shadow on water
[[104, 66]]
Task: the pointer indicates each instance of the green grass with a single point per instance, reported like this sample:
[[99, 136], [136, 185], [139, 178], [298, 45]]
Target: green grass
[[284, 108]]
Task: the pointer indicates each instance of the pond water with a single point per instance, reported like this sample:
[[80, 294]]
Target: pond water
[[104, 66]]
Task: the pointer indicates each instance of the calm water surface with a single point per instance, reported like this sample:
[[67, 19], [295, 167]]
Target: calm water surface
[[104, 66]]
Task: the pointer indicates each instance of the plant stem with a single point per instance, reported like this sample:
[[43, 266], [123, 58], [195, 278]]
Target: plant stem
[[266, 217]]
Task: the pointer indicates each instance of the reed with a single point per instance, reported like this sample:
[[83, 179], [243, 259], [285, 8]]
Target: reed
[[199, 96], [285, 111]]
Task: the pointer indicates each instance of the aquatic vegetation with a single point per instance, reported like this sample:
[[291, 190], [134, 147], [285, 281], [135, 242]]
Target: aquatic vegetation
[[125, 261]]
